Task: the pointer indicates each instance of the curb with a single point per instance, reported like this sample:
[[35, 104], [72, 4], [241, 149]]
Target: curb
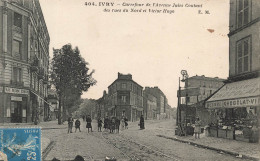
[[211, 148], [47, 149]]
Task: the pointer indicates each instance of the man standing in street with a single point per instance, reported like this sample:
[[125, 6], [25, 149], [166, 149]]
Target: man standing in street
[[141, 122], [70, 124]]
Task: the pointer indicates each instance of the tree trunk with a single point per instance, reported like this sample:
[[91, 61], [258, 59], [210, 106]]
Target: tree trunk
[[59, 112]]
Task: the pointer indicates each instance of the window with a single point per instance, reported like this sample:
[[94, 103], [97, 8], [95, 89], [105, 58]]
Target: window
[[243, 55], [17, 48], [17, 75], [242, 12], [123, 85], [123, 98], [17, 20]]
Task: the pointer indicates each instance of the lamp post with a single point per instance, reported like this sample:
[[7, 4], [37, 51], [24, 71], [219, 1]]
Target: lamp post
[[185, 77]]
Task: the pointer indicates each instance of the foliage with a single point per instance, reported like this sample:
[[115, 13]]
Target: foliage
[[70, 75]]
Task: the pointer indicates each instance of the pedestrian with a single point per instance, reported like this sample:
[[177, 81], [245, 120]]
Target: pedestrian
[[197, 129], [100, 122], [77, 125], [126, 123], [117, 123], [112, 124], [70, 124], [78, 158], [106, 121], [122, 123], [141, 122], [89, 126]]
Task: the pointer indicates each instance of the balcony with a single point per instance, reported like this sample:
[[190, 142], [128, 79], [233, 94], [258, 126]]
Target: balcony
[[17, 83]]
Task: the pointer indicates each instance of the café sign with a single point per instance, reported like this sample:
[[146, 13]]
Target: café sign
[[16, 91], [239, 102], [1, 89]]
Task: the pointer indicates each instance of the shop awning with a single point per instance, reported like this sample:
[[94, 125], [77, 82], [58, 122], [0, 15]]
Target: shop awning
[[41, 98], [244, 93]]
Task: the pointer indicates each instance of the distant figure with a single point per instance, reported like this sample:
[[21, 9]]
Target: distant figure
[[79, 158], [117, 124], [77, 125], [100, 122], [112, 124], [106, 123], [122, 123], [126, 123], [142, 122], [70, 124], [88, 120], [197, 129]]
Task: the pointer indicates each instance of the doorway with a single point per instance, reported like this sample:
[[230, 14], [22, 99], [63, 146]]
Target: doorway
[[16, 112]]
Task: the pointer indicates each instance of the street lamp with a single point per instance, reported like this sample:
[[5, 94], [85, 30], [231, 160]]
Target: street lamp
[[185, 76]]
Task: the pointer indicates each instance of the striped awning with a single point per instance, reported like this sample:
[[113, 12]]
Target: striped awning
[[244, 93]]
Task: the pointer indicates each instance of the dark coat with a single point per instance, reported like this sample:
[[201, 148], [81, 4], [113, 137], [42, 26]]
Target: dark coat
[[88, 120], [77, 124]]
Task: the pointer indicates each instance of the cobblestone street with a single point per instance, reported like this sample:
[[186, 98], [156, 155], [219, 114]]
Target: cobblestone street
[[130, 144]]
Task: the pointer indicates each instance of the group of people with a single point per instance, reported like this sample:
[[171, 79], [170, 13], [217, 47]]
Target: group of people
[[112, 124]]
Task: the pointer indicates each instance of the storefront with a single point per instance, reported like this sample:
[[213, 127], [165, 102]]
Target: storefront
[[14, 105], [236, 109]]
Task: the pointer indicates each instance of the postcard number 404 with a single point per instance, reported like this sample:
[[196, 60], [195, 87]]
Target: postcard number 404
[[31, 131]]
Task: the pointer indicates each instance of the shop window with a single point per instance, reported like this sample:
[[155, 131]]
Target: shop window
[[243, 55], [17, 20], [243, 9]]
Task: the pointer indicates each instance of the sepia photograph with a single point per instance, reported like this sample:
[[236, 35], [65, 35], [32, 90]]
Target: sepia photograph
[[129, 80]]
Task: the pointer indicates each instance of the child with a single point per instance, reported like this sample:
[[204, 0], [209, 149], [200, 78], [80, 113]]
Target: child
[[89, 126], [77, 125]]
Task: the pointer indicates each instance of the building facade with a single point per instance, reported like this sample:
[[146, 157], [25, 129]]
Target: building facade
[[150, 106], [237, 103], [198, 88], [24, 61], [161, 100], [125, 98]]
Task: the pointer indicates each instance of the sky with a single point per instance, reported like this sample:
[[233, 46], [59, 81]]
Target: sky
[[153, 47]]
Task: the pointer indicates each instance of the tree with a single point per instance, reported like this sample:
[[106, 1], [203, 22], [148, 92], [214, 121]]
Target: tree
[[70, 76]]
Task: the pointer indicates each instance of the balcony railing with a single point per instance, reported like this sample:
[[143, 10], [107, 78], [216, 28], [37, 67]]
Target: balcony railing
[[17, 83]]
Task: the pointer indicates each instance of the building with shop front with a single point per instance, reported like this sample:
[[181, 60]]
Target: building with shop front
[[236, 106], [24, 61], [196, 90], [125, 98]]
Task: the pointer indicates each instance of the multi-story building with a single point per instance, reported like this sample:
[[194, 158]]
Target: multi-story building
[[161, 100], [150, 106], [239, 98], [24, 61], [198, 88], [125, 98]]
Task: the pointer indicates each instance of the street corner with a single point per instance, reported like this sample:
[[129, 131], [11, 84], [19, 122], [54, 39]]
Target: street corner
[[20, 143]]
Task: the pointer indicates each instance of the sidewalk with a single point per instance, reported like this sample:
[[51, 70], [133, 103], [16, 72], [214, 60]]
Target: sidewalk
[[232, 147]]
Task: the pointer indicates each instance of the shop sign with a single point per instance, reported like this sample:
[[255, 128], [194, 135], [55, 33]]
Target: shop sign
[[13, 98], [240, 102], [1, 89], [16, 91]]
